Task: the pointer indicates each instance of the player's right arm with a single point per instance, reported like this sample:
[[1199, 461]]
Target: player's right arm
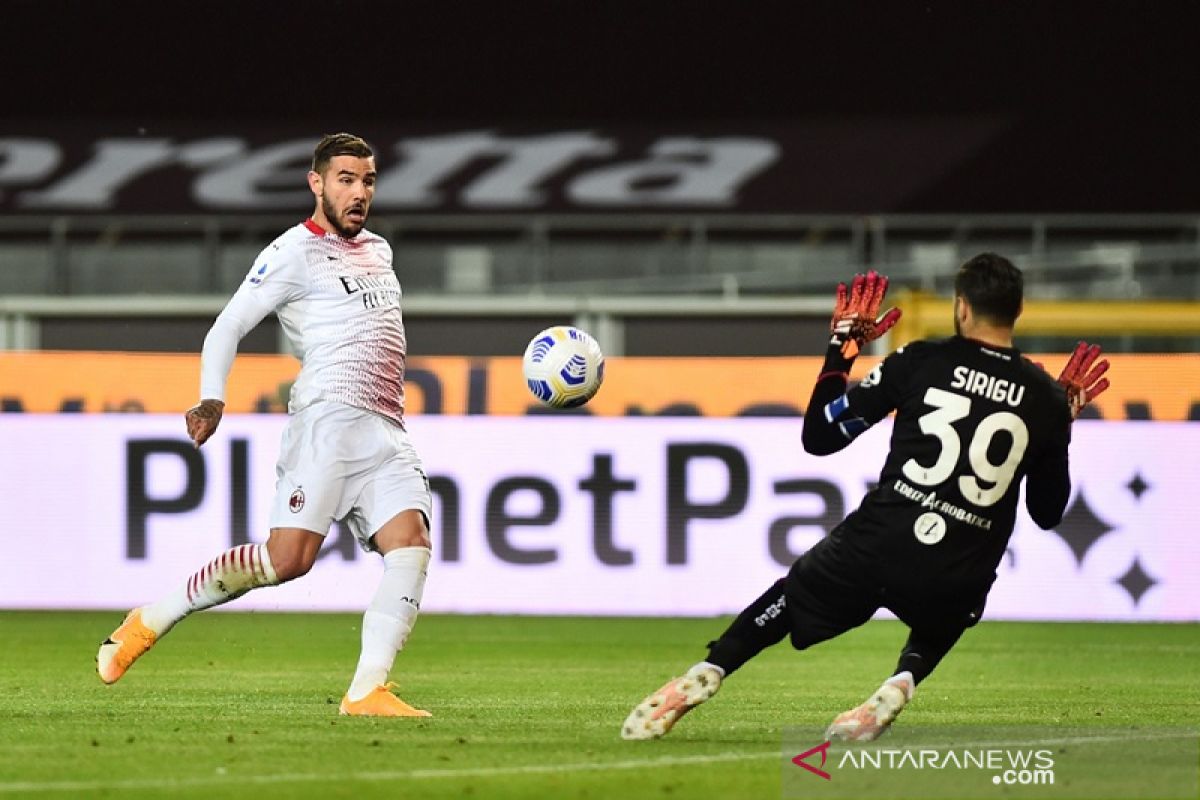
[[835, 416], [1048, 483], [278, 277]]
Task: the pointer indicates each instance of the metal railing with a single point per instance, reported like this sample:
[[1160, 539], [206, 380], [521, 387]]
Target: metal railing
[[1085, 256]]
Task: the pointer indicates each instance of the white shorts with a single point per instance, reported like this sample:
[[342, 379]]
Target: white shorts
[[337, 462]]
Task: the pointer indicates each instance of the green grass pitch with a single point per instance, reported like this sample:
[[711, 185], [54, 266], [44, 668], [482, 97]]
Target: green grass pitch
[[245, 705]]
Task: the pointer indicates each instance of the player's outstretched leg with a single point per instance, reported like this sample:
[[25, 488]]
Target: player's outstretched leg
[[658, 713], [924, 650], [386, 625], [866, 722], [763, 623], [226, 577]]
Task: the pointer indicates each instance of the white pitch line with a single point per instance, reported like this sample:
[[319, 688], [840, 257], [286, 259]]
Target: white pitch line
[[394, 775], [1148, 737], [528, 769]]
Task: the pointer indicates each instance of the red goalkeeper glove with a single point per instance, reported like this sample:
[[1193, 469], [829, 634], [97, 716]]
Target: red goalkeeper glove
[[855, 321], [1081, 377]]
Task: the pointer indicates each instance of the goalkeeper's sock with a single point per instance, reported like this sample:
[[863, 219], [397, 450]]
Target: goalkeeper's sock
[[228, 576], [923, 652], [389, 619], [763, 623]]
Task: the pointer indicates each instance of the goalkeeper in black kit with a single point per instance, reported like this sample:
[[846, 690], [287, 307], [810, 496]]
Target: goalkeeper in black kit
[[973, 418]]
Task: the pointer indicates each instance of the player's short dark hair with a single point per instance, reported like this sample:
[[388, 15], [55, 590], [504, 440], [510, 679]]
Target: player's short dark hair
[[993, 286], [338, 144]]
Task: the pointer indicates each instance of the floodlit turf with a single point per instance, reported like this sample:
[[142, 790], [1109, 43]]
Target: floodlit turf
[[245, 705]]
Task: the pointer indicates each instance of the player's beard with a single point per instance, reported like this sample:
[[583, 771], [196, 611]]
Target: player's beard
[[334, 220]]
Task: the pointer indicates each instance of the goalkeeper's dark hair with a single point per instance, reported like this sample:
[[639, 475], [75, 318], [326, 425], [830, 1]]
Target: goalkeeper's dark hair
[[993, 286], [338, 144]]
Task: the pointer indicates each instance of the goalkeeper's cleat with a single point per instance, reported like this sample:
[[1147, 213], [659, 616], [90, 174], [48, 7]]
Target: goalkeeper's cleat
[[658, 713], [126, 644], [872, 718], [379, 702]]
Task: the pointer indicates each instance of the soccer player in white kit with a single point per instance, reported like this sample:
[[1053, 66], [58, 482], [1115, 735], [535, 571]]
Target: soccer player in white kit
[[345, 454]]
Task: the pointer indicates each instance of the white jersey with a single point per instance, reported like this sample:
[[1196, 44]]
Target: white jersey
[[339, 303]]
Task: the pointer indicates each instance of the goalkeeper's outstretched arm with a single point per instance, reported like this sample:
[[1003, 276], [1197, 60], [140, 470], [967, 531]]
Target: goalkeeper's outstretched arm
[[829, 425], [831, 420]]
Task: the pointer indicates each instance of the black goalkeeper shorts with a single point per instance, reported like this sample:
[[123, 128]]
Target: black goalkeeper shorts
[[830, 592]]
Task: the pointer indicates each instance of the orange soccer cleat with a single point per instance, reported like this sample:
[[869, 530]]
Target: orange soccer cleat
[[380, 702], [126, 644]]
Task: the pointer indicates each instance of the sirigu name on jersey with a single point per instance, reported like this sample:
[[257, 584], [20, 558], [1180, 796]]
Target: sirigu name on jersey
[[378, 291], [989, 386]]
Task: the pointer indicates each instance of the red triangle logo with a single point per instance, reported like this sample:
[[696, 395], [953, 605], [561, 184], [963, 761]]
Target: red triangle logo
[[823, 749]]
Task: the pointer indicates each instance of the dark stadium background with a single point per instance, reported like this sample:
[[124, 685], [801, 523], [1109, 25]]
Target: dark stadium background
[[1101, 99]]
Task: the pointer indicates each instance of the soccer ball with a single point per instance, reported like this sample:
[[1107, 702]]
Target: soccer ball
[[563, 367]]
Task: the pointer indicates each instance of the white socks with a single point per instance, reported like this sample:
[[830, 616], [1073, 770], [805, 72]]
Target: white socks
[[228, 576], [386, 624], [390, 617]]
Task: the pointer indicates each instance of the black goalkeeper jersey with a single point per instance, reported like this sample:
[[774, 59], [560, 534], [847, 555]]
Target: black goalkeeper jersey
[[972, 421]]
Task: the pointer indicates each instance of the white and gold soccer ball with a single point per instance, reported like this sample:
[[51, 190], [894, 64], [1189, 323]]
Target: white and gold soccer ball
[[563, 367]]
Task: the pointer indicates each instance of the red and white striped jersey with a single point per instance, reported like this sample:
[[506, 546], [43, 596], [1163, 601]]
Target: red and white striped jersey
[[338, 300]]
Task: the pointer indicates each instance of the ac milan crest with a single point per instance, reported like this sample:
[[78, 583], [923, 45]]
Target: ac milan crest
[[296, 501]]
